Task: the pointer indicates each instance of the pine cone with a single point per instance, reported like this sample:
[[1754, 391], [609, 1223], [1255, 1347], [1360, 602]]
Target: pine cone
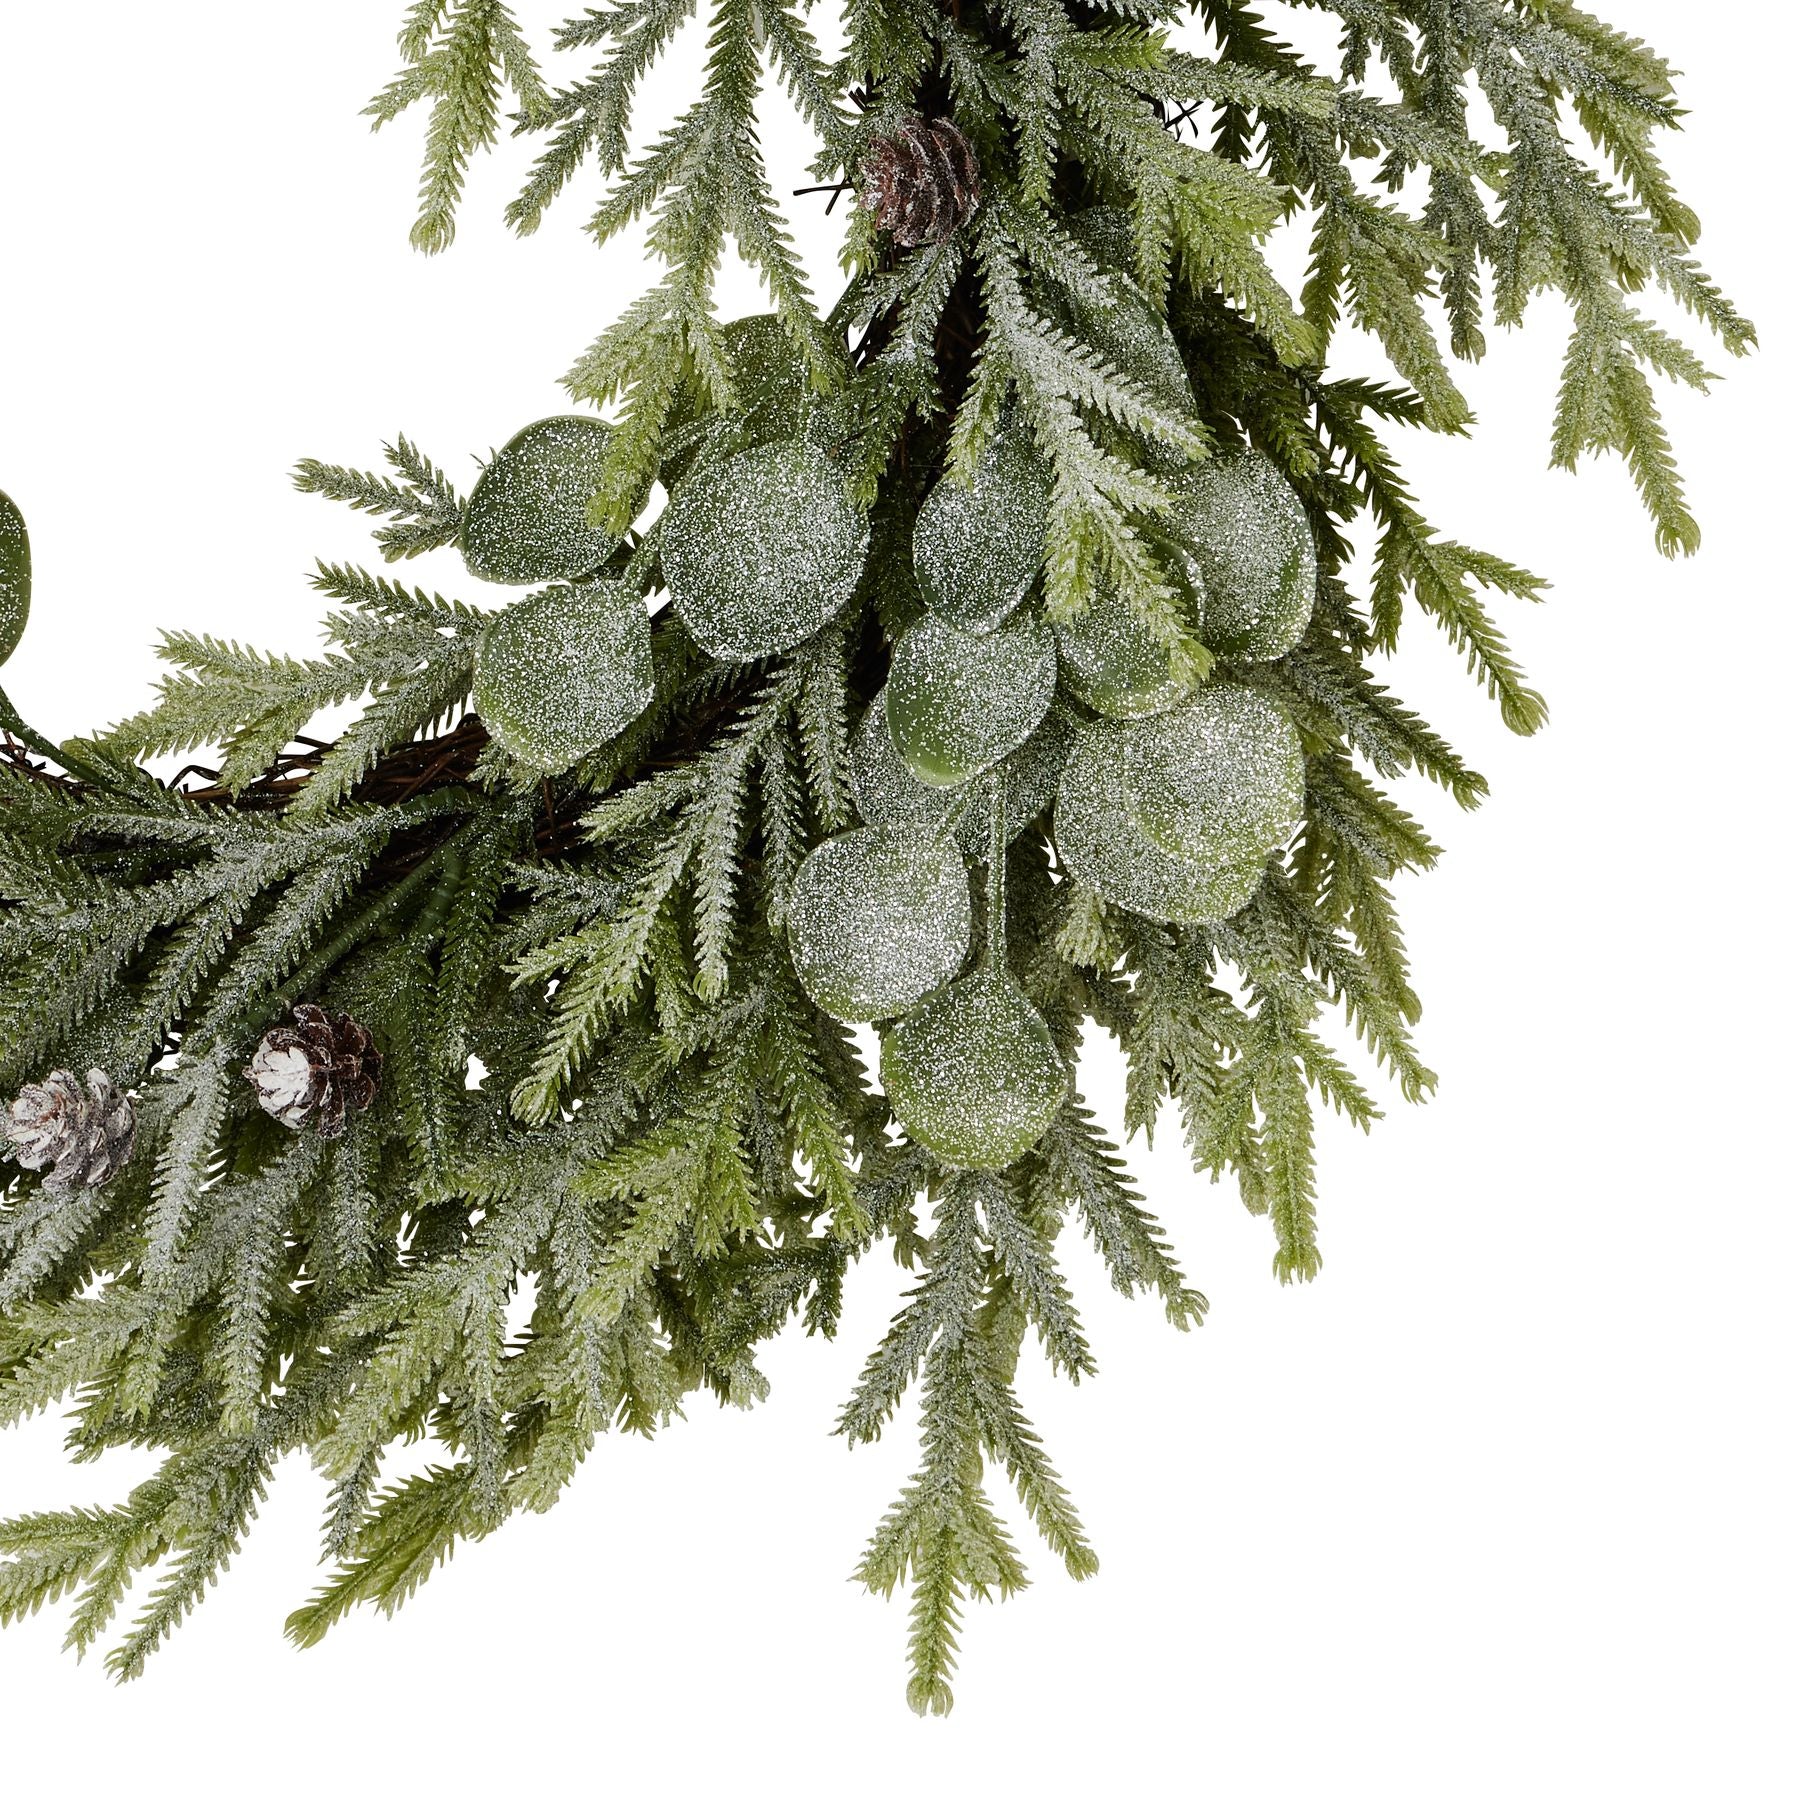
[[921, 182], [84, 1140], [316, 1071]]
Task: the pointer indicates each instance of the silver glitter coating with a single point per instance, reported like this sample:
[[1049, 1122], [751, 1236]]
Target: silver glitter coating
[[1221, 779], [1255, 544], [973, 1074], [772, 391], [978, 549], [527, 520], [1105, 848], [1128, 331], [877, 918], [560, 673], [15, 577], [957, 703], [889, 793], [761, 550], [1113, 661], [1175, 816]]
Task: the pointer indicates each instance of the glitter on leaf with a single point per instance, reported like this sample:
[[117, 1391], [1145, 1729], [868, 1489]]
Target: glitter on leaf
[[1174, 817], [957, 703], [1104, 847], [889, 793], [527, 520], [773, 390], [1114, 662], [15, 577], [762, 550], [1122, 325], [1220, 780], [878, 918], [1251, 536], [562, 672], [973, 1074], [978, 549]]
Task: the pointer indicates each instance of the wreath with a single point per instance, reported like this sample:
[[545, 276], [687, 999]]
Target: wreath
[[979, 661]]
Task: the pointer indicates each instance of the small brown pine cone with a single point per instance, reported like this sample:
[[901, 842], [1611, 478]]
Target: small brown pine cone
[[83, 1139], [921, 181], [316, 1071]]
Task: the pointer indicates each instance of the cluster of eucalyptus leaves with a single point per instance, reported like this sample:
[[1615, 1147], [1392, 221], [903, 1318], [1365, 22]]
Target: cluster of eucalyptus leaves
[[1168, 784]]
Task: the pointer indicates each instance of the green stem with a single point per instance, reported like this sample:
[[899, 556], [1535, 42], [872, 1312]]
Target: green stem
[[994, 956], [11, 721]]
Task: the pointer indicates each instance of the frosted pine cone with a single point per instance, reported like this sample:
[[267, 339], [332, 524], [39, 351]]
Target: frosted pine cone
[[83, 1139], [921, 181], [316, 1071]]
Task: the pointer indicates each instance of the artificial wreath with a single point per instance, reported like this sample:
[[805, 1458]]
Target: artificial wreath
[[994, 670]]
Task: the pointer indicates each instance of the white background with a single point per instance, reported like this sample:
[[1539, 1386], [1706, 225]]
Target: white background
[[1502, 1504]]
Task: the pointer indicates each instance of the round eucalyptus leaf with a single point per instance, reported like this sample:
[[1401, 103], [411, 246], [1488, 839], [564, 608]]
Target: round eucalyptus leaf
[[1103, 846], [889, 793], [957, 702], [1121, 322], [877, 918], [527, 520], [774, 389], [1219, 780], [973, 1074], [1252, 538], [1137, 341], [1117, 664], [978, 549], [761, 550], [560, 673], [15, 577]]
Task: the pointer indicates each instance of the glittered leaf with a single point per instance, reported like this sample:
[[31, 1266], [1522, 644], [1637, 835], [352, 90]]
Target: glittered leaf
[[1114, 661], [973, 1074], [978, 549], [1123, 326], [562, 672], [889, 793], [957, 702], [1175, 816], [527, 520], [1103, 846], [1129, 332], [773, 389], [1219, 780], [877, 918], [15, 577], [761, 550], [1251, 536]]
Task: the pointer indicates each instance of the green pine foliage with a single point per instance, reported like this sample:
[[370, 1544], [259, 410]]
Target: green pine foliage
[[608, 1104]]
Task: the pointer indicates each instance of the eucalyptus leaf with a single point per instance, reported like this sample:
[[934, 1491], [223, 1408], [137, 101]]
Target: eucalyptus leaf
[[1122, 324], [1254, 543], [958, 702], [773, 390], [15, 577], [1103, 846], [761, 550], [1113, 660], [978, 549], [973, 1074], [527, 520], [889, 793], [877, 918], [560, 673], [1221, 779]]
